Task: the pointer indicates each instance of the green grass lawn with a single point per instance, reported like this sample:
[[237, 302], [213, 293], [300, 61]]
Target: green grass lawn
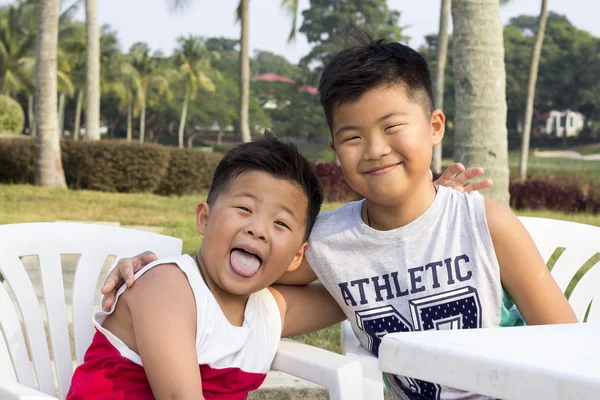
[[22, 203]]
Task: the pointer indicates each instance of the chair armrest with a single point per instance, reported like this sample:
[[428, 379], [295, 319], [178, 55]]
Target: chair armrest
[[350, 344], [351, 347], [342, 376], [16, 391]]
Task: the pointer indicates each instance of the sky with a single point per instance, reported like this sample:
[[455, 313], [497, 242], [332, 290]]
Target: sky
[[150, 21]]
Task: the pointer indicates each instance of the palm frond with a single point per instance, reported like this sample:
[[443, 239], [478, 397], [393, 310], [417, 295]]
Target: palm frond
[[238, 12], [69, 12], [205, 82], [64, 84], [178, 5], [292, 7]]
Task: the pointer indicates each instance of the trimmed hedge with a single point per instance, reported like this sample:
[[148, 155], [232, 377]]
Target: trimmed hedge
[[12, 118], [189, 171], [120, 166], [17, 161], [115, 166]]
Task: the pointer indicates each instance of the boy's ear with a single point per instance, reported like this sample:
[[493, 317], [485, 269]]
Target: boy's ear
[[438, 127], [331, 145], [202, 211], [297, 261]]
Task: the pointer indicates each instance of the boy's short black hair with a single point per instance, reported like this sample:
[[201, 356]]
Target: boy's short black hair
[[356, 70], [280, 159]]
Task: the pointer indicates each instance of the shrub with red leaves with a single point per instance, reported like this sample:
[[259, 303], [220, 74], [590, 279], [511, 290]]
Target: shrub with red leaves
[[334, 185], [542, 195]]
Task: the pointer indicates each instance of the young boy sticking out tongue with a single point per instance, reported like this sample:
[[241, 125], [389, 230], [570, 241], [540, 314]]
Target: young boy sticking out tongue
[[208, 327]]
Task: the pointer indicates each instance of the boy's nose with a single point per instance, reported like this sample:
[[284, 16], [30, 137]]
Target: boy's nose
[[376, 148], [257, 230]]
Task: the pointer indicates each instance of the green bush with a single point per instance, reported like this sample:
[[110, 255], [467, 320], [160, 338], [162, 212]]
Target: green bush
[[115, 166], [17, 161], [12, 118], [189, 171]]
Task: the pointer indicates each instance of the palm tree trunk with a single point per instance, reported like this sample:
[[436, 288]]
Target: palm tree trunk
[[533, 73], [480, 74], [183, 116], [48, 163], [244, 72], [92, 80], [143, 116], [129, 121], [442, 55], [78, 107], [31, 116], [61, 114]]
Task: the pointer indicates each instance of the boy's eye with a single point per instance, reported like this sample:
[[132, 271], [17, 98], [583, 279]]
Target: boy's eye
[[350, 139], [283, 224], [244, 209], [392, 127]]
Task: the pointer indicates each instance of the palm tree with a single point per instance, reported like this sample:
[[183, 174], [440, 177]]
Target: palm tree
[[17, 45], [442, 48], [244, 14], [533, 73], [92, 84], [126, 84], [72, 45], [480, 74], [150, 75], [65, 87], [194, 65], [442, 55], [244, 17], [48, 165]]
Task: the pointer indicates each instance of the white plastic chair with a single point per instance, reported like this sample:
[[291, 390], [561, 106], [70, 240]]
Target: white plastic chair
[[581, 242], [343, 377]]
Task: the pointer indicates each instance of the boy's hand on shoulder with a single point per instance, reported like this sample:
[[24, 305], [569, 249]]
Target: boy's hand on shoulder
[[523, 272], [163, 314], [457, 177], [123, 274]]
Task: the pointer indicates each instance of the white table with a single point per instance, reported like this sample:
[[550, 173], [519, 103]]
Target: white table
[[535, 362]]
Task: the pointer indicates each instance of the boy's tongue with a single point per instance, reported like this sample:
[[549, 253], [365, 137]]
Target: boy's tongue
[[244, 263]]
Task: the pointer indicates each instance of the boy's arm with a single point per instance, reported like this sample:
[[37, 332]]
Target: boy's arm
[[306, 308], [163, 315], [524, 275]]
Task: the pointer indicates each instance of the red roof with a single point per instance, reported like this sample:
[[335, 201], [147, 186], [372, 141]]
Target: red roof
[[309, 89], [271, 77]]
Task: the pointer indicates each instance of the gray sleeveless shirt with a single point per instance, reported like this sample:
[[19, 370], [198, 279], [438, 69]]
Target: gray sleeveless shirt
[[438, 272]]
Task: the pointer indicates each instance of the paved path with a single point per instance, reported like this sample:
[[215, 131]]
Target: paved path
[[572, 155]]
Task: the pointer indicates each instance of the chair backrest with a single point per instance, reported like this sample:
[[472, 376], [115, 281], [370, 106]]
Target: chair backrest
[[48, 241], [572, 253]]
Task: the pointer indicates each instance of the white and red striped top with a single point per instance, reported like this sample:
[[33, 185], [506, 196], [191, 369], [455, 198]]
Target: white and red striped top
[[233, 360]]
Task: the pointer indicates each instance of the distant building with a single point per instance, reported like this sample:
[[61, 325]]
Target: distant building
[[564, 123]]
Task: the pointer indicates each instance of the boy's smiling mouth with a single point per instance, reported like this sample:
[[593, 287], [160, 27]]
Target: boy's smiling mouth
[[382, 170], [245, 261]]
